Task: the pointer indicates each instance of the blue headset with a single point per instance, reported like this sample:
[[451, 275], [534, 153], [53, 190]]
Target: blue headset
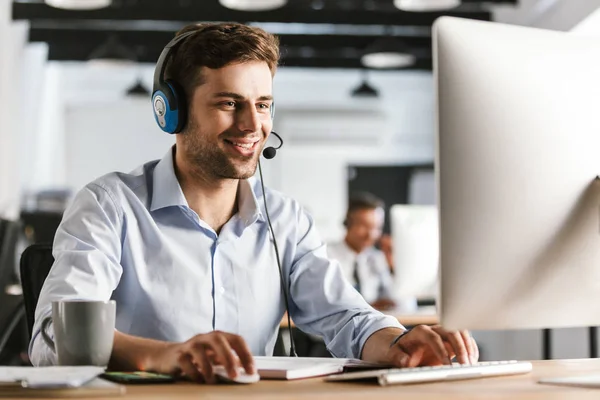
[[168, 97]]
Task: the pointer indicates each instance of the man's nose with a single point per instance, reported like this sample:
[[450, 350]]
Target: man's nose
[[248, 120]]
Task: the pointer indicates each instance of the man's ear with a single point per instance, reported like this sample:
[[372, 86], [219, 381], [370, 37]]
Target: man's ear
[[346, 221]]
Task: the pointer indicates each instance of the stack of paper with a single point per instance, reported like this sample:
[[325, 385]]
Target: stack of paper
[[48, 377]]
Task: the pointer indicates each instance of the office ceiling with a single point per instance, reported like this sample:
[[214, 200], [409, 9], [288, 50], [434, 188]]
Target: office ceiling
[[313, 33]]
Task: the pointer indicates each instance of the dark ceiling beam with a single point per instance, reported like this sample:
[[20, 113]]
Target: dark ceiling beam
[[420, 65], [149, 51], [161, 38], [80, 52], [202, 10], [296, 50]]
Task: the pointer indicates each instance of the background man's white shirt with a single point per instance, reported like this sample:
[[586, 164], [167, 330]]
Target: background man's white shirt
[[373, 271]]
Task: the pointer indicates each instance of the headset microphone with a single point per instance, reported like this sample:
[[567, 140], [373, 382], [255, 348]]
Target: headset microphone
[[271, 152]]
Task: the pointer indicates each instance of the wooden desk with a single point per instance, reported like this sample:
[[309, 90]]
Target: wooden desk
[[424, 316], [511, 387]]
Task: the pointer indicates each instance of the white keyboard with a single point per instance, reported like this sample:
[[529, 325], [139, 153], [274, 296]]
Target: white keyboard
[[431, 374]]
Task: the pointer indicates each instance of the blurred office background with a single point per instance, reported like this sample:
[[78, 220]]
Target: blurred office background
[[75, 104]]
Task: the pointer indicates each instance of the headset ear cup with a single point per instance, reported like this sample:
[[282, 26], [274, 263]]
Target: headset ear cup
[[272, 110], [180, 110], [166, 112]]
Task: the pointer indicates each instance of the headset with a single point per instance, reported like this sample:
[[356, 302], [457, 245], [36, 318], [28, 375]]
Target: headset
[[170, 112], [168, 97]]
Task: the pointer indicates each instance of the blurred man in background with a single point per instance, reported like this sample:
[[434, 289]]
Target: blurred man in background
[[363, 265]]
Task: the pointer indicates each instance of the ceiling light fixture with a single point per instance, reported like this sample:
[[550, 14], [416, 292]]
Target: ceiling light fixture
[[138, 90], [253, 5], [387, 52], [365, 90], [79, 4], [112, 52], [425, 5]]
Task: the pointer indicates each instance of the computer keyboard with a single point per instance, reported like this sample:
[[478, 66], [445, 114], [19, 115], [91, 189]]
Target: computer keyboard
[[439, 373]]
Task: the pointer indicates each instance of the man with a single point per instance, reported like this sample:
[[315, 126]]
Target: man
[[183, 245], [364, 266]]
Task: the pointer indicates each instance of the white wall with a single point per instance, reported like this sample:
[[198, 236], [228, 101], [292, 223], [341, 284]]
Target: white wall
[[13, 38], [118, 136], [34, 73]]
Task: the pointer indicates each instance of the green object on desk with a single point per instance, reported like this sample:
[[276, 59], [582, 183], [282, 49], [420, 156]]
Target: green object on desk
[[137, 377]]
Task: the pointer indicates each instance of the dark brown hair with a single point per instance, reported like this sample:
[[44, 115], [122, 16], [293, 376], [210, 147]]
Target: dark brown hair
[[362, 201], [216, 45]]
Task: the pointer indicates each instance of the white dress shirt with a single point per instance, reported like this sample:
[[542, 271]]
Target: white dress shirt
[[372, 268], [132, 237]]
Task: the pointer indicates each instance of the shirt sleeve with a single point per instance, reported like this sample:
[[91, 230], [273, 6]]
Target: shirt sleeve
[[323, 302], [87, 253]]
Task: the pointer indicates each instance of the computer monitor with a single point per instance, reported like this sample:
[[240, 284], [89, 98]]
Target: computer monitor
[[517, 159], [415, 249]]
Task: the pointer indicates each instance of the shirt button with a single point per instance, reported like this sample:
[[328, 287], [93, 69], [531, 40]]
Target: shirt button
[[222, 290]]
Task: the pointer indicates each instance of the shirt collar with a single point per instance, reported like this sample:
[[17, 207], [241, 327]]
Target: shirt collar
[[248, 205], [167, 192]]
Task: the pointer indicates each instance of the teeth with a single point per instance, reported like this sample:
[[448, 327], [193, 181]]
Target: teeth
[[243, 145]]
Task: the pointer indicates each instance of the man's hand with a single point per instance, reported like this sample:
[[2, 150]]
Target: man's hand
[[422, 346], [193, 358]]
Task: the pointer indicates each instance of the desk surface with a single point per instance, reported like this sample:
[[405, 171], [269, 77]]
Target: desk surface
[[423, 316], [508, 387]]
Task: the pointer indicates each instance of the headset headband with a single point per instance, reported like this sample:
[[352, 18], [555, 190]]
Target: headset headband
[[162, 62]]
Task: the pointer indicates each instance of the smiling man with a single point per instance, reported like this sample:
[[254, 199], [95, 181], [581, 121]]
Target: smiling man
[[183, 244]]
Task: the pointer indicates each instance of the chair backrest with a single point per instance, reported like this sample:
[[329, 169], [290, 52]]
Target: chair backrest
[[41, 226], [36, 262], [3, 223], [9, 236]]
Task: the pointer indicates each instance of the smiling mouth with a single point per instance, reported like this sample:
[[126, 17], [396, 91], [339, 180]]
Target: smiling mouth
[[242, 147]]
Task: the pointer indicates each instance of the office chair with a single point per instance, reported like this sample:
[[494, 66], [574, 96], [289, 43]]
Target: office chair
[[40, 226], [12, 312], [9, 237], [36, 262]]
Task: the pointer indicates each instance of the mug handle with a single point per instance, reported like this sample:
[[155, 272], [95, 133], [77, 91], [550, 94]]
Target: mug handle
[[47, 339]]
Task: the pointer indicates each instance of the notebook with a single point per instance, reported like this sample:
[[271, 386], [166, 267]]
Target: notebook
[[288, 368]]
